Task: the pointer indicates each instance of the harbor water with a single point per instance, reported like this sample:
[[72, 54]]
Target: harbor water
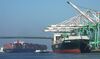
[[44, 55], [49, 56]]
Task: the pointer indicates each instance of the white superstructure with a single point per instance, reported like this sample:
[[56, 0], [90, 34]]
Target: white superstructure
[[1, 49]]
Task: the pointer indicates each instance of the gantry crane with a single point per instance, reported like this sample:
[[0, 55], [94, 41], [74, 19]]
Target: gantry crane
[[92, 29], [82, 24]]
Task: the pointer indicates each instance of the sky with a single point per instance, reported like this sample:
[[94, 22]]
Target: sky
[[31, 17]]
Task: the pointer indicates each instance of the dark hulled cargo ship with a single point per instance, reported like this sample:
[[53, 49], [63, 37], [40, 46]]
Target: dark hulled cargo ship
[[20, 47], [70, 44]]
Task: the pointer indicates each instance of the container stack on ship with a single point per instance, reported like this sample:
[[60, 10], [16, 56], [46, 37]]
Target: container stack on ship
[[20, 47], [79, 34]]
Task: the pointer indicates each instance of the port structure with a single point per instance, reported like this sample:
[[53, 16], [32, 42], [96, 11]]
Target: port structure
[[86, 22]]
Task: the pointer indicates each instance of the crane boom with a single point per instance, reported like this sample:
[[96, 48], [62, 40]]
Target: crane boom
[[74, 6]]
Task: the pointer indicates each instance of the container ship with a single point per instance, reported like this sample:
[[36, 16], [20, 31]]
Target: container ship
[[70, 44], [21, 47]]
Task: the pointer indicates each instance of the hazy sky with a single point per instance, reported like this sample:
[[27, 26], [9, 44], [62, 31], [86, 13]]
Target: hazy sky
[[30, 17]]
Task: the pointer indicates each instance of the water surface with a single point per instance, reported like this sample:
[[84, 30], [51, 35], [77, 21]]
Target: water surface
[[49, 56]]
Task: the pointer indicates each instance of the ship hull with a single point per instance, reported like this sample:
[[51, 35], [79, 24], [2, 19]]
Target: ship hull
[[72, 46], [68, 51], [19, 50]]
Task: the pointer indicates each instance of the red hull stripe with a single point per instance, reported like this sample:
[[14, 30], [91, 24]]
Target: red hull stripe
[[68, 51]]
